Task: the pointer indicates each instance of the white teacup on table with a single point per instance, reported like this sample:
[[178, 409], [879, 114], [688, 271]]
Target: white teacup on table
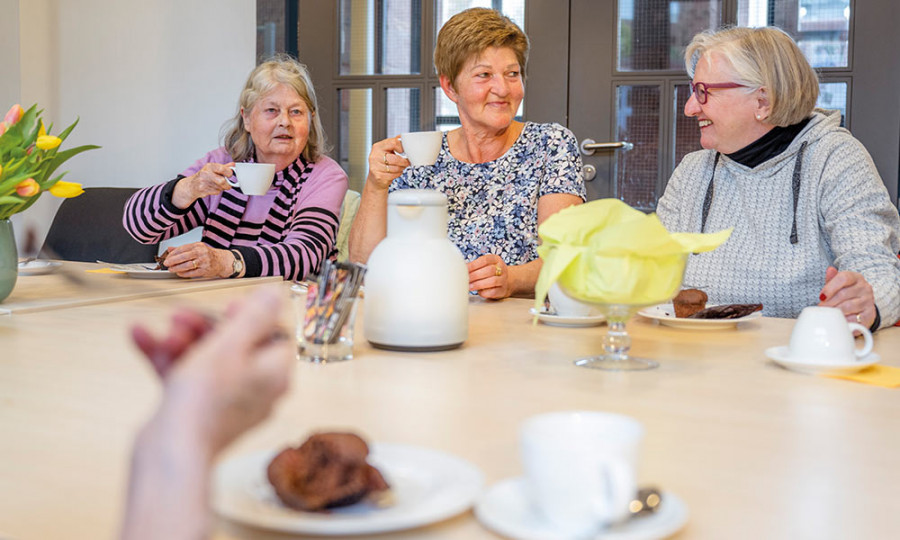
[[253, 178], [581, 468], [822, 341], [566, 306], [421, 147]]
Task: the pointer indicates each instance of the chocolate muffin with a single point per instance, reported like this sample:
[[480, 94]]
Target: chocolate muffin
[[327, 471], [688, 302]]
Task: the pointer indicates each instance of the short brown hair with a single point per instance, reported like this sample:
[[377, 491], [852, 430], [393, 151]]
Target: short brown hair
[[471, 32], [280, 69], [763, 57]]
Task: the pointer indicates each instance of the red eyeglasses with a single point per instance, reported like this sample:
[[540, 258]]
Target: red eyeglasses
[[701, 89]]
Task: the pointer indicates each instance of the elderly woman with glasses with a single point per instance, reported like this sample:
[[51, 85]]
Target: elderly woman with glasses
[[813, 222], [502, 177]]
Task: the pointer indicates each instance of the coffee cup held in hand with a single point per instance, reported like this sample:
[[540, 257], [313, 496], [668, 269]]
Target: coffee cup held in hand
[[421, 147], [253, 178], [822, 335], [566, 306], [581, 468]]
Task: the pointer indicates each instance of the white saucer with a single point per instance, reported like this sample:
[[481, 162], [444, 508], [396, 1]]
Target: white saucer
[[37, 267], [552, 319], [505, 509], [665, 314], [782, 356]]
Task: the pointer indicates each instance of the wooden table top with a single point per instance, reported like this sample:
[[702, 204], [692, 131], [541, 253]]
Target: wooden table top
[[81, 284], [755, 451]]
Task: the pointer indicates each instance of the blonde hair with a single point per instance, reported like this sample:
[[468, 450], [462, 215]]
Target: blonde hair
[[471, 32], [763, 58], [280, 69]]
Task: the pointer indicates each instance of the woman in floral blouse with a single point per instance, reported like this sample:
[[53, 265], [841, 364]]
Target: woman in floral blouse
[[502, 178]]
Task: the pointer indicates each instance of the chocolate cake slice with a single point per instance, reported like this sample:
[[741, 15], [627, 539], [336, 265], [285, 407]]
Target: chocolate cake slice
[[726, 311]]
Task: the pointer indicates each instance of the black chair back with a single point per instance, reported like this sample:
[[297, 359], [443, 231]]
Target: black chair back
[[89, 228]]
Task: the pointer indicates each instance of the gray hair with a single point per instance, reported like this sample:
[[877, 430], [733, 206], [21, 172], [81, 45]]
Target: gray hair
[[763, 58], [280, 69]]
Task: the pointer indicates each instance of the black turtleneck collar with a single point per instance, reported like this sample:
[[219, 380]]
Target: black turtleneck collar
[[769, 145]]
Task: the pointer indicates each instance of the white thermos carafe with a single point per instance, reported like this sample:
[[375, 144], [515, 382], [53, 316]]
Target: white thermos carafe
[[417, 282]]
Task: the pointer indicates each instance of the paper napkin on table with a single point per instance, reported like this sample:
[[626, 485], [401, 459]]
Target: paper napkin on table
[[886, 376], [105, 271], [604, 251]]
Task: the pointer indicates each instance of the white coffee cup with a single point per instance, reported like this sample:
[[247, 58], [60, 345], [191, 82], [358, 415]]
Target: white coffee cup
[[823, 335], [581, 468], [421, 147], [566, 306], [253, 178]]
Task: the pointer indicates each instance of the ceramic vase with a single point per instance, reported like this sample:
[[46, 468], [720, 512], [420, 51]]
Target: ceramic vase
[[9, 260]]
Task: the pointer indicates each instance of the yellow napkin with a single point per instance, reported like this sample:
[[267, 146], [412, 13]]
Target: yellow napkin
[[886, 376], [605, 251], [104, 271]]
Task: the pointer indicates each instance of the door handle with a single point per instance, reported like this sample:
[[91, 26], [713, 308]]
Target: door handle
[[589, 146]]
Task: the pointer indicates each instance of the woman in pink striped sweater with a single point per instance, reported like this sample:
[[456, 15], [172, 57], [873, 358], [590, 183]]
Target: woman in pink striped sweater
[[288, 231]]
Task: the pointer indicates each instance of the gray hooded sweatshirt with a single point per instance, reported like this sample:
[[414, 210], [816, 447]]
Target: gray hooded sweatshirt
[[777, 255]]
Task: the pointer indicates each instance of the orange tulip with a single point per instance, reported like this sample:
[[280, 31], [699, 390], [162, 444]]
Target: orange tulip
[[2, 128], [13, 115], [27, 188]]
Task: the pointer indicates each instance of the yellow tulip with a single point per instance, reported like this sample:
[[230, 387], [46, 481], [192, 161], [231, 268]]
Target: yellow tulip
[[48, 142], [27, 188], [66, 190], [42, 131]]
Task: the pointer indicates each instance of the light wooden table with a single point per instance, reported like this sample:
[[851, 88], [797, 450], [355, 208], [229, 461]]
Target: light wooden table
[[755, 451], [82, 284]]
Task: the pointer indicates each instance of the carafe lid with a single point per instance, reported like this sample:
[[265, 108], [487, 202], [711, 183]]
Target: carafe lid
[[417, 197]]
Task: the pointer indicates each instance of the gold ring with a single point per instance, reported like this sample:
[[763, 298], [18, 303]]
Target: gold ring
[[385, 158], [858, 319], [195, 264], [497, 270], [387, 168]]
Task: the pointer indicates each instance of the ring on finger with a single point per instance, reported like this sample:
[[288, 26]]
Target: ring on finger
[[385, 158], [387, 168], [195, 264], [497, 270], [858, 318]]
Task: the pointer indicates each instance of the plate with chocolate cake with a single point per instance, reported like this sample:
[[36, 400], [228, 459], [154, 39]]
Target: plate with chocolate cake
[[326, 487], [718, 317]]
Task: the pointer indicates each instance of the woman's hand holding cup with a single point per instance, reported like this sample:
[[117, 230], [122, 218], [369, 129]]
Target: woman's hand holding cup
[[212, 179], [384, 163]]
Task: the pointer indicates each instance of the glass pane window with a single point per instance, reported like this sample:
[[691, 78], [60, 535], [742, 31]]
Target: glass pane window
[[354, 138], [380, 37], [820, 27], [686, 136], [637, 121], [833, 95], [270, 29], [652, 34], [444, 9], [402, 106]]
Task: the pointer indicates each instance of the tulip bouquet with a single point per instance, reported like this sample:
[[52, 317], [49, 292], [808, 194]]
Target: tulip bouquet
[[29, 157]]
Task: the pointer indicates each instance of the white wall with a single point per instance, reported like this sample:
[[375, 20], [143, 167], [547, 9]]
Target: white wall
[[152, 82]]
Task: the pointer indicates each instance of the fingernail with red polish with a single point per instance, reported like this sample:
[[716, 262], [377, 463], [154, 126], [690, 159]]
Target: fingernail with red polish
[[822, 297]]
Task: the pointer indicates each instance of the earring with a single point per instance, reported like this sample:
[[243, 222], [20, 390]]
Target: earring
[[759, 117]]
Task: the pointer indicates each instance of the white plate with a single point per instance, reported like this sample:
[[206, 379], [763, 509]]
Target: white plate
[[552, 319], [427, 485], [782, 356], [665, 314], [150, 274], [38, 267], [505, 509]]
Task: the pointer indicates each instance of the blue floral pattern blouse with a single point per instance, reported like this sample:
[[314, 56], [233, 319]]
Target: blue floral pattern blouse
[[493, 205]]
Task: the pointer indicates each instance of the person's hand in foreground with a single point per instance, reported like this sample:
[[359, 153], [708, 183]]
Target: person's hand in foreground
[[850, 292], [217, 383]]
